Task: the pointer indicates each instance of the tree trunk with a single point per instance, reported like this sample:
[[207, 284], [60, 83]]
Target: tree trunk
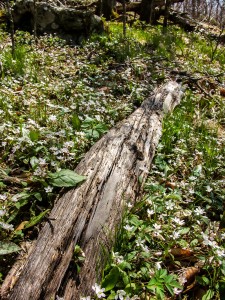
[[167, 7], [105, 8], [146, 10], [116, 168], [12, 31]]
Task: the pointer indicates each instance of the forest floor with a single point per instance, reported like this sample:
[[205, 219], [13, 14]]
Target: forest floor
[[57, 100]]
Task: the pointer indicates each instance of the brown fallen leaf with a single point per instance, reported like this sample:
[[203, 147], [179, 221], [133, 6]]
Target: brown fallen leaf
[[181, 252], [21, 226]]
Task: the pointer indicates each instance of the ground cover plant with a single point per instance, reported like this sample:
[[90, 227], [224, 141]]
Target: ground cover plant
[[57, 100]]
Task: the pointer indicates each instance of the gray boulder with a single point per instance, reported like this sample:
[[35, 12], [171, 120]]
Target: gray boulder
[[65, 21]]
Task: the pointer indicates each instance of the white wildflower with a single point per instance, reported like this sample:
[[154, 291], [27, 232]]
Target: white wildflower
[[178, 221], [150, 212], [128, 227], [52, 118], [176, 235], [3, 197], [170, 205], [2, 212], [48, 189], [199, 211], [158, 265], [208, 189], [6, 226], [120, 295], [177, 291], [98, 290]]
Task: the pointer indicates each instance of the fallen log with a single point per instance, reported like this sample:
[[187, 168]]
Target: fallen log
[[116, 168]]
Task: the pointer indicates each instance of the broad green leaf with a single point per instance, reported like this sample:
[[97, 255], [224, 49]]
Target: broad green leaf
[[184, 230], [34, 135], [8, 247], [38, 196], [34, 162], [65, 178], [36, 219], [209, 295], [111, 279], [76, 123]]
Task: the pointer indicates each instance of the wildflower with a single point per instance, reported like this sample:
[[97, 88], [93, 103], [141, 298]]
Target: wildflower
[[157, 227], [98, 290], [85, 298], [150, 212], [177, 291], [140, 243], [2, 212], [220, 252], [199, 211], [178, 221], [52, 118], [128, 227], [3, 197], [48, 189], [6, 226], [158, 265], [42, 161], [208, 189], [176, 235], [170, 205], [120, 295]]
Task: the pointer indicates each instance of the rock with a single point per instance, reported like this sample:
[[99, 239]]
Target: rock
[[66, 22]]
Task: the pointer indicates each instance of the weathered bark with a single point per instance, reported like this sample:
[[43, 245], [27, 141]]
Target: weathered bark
[[88, 215]]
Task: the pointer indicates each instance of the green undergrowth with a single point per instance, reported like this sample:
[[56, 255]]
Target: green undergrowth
[[171, 244], [57, 100]]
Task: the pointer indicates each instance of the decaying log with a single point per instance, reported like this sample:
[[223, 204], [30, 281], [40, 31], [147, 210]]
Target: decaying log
[[116, 168]]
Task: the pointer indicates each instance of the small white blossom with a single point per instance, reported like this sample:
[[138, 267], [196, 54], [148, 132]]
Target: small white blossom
[[98, 290], [158, 265], [3, 197], [2, 212], [208, 189], [176, 235], [6, 226], [85, 298], [48, 189], [178, 221], [150, 212], [177, 291], [128, 227], [52, 118], [199, 211], [170, 205], [120, 295]]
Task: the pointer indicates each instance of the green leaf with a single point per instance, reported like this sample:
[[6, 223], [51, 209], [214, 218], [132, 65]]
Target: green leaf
[[8, 247], [38, 196], [36, 219], [111, 279], [184, 230], [34, 162], [65, 178], [209, 295], [76, 123], [34, 135]]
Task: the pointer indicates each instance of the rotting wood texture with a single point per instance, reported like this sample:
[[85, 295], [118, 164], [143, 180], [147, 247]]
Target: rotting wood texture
[[89, 214]]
